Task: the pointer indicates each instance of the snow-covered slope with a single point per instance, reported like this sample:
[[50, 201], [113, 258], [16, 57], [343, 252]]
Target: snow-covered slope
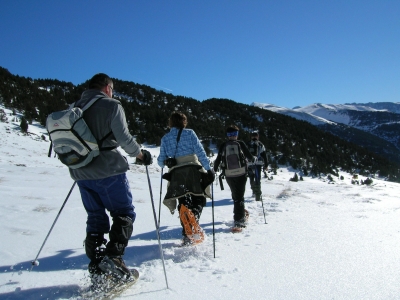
[[323, 240]]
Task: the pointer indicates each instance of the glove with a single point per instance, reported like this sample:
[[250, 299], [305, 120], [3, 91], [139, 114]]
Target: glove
[[211, 175], [147, 158]]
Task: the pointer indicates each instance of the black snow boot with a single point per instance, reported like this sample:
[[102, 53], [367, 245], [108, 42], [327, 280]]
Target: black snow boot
[[95, 251], [120, 232]]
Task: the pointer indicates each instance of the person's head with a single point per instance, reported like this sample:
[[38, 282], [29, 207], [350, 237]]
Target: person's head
[[102, 82], [232, 132], [178, 120], [254, 136]]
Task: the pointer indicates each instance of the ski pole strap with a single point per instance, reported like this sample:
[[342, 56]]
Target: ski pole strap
[[220, 182], [50, 148]]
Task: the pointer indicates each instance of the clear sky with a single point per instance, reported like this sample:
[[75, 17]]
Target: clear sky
[[288, 53]]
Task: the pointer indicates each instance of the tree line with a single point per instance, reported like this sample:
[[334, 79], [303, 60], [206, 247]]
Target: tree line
[[288, 141]]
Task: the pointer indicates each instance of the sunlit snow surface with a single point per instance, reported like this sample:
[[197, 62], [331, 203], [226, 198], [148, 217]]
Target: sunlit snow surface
[[322, 241]]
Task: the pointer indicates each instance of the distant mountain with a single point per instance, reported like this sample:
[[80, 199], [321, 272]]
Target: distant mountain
[[383, 106], [375, 126]]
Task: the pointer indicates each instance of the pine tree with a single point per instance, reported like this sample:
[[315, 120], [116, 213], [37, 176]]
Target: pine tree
[[24, 125]]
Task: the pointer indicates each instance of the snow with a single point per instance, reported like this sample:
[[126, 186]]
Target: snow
[[320, 114], [322, 240], [295, 113]]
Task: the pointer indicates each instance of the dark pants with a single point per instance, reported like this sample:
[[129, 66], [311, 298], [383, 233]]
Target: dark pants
[[112, 194], [193, 203], [255, 175], [238, 187]]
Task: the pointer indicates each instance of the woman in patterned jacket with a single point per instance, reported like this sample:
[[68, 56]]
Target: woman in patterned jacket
[[188, 174]]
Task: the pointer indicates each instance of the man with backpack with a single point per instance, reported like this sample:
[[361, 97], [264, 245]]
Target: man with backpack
[[232, 156], [103, 183], [257, 149]]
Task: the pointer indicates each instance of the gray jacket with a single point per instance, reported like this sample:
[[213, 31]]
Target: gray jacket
[[104, 116]]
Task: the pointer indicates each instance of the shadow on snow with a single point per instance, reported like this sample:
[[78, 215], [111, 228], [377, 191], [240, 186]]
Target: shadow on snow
[[134, 255]]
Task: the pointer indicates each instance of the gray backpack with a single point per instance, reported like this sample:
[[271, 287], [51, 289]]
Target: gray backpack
[[71, 138], [233, 160]]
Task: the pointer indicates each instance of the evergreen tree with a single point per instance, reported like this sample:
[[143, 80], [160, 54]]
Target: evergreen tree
[[24, 125]]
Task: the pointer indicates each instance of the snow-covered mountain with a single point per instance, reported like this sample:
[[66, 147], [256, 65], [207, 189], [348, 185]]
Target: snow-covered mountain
[[380, 120], [300, 115]]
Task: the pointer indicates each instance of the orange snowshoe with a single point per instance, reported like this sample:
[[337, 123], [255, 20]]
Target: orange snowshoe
[[192, 229]]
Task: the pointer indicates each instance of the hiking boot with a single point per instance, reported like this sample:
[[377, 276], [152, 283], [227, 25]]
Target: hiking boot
[[239, 224], [186, 241], [95, 250], [94, 268], [115, 266]]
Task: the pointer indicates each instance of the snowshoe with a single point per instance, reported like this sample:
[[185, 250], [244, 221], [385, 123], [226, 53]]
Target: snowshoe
[[192, 229], [240, 225], [236, 229], [107, 287]]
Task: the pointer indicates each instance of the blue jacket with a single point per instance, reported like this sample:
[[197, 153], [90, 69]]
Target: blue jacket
[[188, 144]]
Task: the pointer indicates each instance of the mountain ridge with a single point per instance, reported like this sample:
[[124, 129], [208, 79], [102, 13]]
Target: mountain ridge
[[307, 148], [380, 120]]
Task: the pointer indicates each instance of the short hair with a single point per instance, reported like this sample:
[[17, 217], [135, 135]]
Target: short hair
[[99, 81], [232, 128], [177, 119]]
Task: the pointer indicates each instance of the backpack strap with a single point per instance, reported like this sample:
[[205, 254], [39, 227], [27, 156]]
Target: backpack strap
[[179, 136], [177, 139], [89, 104], [99, 142]]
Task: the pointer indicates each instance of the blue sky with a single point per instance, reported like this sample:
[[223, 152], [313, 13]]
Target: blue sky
[[287, 53]]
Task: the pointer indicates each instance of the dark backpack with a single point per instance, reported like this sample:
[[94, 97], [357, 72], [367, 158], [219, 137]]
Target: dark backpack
[[233, 160], [254, 148]]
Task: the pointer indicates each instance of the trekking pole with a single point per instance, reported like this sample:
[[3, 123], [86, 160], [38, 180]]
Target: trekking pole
[[212, 201], [35, 262], [159, 206], [157, 228], [262, 202]]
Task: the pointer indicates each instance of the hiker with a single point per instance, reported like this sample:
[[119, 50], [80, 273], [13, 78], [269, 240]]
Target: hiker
[[103, 183], [257, 149], [189, 172], [232, 156]]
